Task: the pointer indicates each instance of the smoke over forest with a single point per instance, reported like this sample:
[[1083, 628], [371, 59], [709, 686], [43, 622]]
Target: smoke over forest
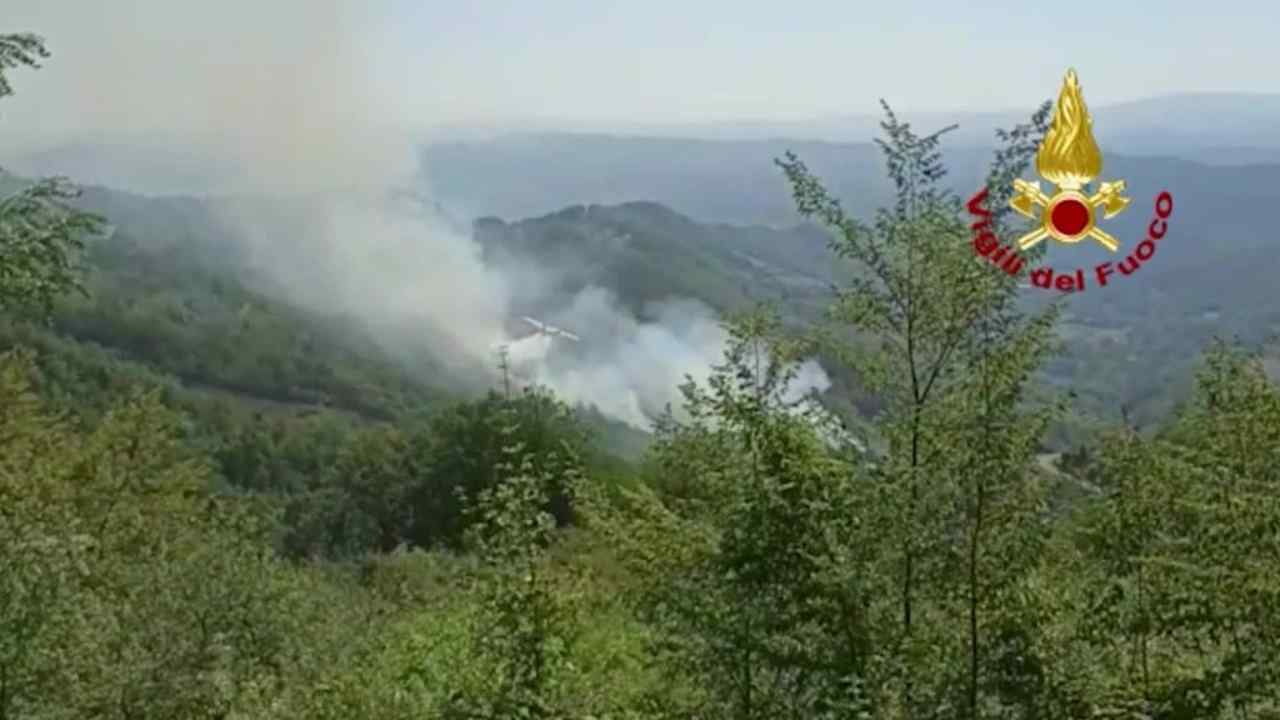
[[288, 108], [425, 287]]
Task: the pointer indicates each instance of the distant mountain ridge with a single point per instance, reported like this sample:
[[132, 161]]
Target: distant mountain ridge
[[1165, 124], [1213, 128], [737, 181]]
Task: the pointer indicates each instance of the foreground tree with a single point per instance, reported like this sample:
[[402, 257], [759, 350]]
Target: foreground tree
[[127, 590], [40, 233], [750, 572], [524, 628], [466, 447], [937, 335], [391, 486], [41, 548], [1184, 615]]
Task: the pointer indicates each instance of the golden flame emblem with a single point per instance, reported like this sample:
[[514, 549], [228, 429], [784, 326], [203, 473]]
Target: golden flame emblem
[[1070, 159]]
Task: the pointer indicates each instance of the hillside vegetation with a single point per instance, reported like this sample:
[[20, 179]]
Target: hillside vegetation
[[213, 505], [1127, 344]]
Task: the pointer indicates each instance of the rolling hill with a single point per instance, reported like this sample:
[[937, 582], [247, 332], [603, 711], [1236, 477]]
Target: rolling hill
[[1182, 125], [651, 218], [737, 182], [645, 253]]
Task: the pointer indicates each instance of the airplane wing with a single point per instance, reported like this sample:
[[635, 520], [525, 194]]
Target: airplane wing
[[534, 323], [553, 330]]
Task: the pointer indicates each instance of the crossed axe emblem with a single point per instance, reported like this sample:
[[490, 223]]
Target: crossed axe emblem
[[1068, 215]]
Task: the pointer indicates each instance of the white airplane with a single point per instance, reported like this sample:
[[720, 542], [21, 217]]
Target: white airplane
[[544, 329]]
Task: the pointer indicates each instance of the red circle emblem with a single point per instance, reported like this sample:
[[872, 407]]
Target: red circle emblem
[[1070, 217]]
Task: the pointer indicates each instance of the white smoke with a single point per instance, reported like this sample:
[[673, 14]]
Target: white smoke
[[632, 370], [628, 369], [285, 93], [400, 266], [393, 264]]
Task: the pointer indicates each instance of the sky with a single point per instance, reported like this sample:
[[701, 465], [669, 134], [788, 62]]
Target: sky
[[155, 66]]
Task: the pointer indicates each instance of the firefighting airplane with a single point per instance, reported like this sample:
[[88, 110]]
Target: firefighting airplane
[[550, 330]]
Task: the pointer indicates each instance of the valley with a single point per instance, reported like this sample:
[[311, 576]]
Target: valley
[[1131, 346], [340, 379]]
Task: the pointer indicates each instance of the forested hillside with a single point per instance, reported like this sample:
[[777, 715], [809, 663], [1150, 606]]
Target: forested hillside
[[1131, 348], [1130, 345], [217, 504], [645, 252]]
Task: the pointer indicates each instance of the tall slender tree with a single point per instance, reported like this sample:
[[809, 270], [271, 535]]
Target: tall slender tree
[[950, 353], [742, 572]]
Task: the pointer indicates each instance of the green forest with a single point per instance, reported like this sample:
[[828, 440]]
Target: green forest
[[215, 505]]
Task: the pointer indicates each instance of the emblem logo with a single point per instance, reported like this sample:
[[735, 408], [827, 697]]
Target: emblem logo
[[1069, 158]]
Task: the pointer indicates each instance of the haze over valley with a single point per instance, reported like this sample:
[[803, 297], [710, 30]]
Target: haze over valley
[[593, 361], [467, 245]]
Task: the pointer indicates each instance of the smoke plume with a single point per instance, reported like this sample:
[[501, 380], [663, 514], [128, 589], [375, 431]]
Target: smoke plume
[[291, 94]]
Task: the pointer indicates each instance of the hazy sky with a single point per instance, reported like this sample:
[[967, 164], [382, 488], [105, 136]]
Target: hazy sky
[[153, 65]]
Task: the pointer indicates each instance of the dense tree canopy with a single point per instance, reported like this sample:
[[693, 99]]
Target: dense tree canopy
[[223, 522]]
